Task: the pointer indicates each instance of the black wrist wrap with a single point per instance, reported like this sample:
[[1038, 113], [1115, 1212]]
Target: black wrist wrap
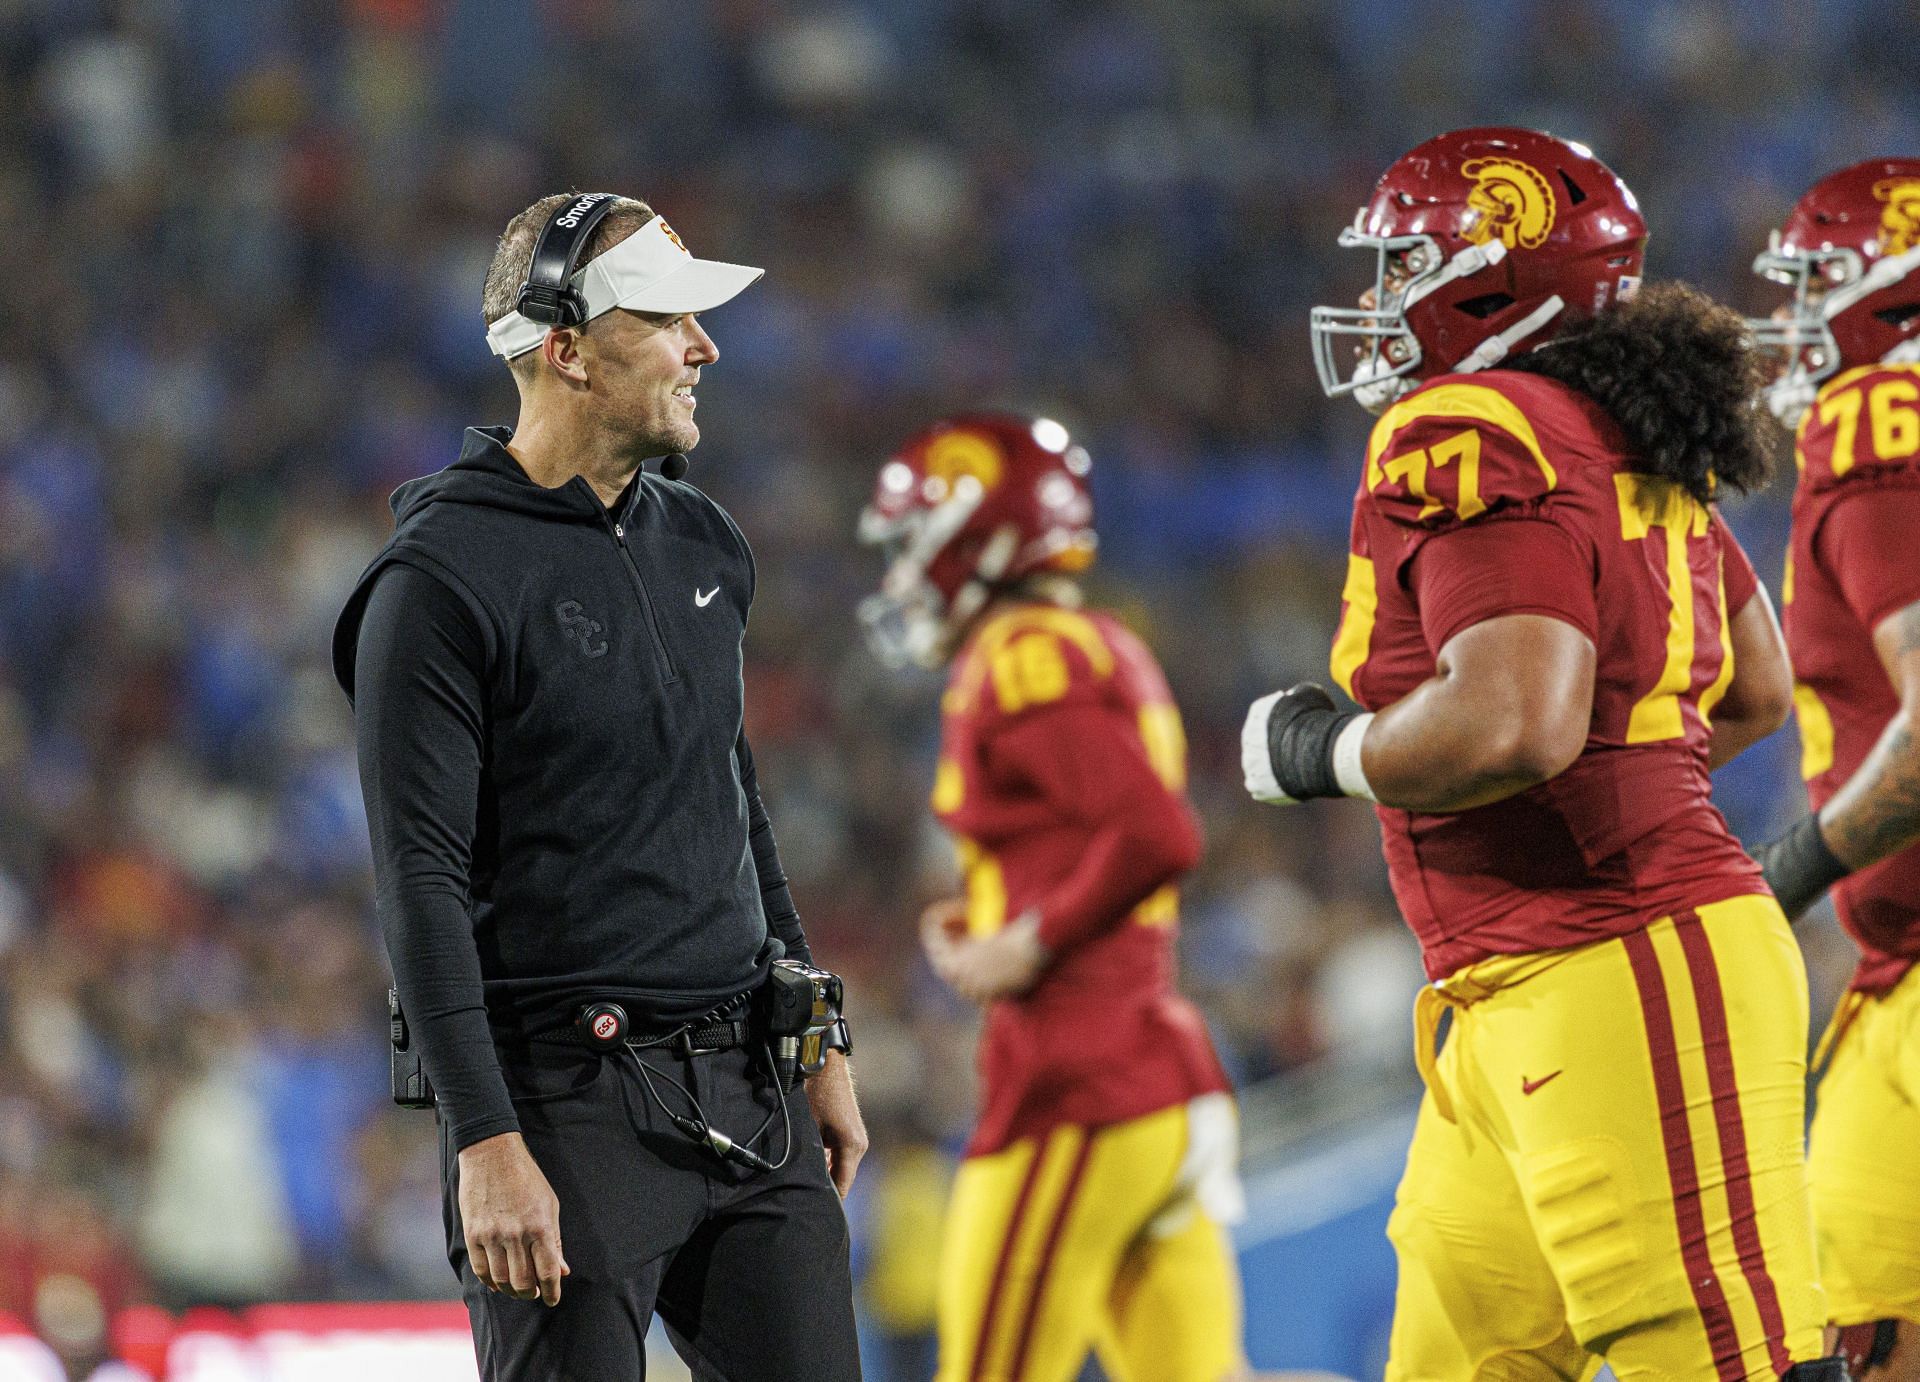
[[1800, 866], [1300, 745]]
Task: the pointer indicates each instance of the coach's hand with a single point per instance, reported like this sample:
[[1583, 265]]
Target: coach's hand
[[842, 1130], [512, 1220]]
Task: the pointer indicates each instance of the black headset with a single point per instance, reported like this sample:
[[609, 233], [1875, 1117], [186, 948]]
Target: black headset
[[547, 296]]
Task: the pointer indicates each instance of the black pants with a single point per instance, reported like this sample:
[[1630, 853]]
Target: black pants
[[748, 1270]]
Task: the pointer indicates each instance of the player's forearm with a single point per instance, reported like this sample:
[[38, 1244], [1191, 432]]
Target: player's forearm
[[1877, 812], [1442, 749], [1121, 867], [1508, 707]]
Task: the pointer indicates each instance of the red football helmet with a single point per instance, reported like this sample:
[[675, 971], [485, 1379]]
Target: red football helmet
[[1849, 250], [1487, 242], [973, 503]]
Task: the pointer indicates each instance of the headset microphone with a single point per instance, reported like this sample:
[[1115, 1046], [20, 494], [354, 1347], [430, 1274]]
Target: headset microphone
[[673, 466]]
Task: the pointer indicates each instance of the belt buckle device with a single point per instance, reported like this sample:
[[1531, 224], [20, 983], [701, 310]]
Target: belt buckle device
[[801, 1012]]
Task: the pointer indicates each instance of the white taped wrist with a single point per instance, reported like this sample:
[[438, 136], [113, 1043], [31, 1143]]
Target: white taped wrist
[[1347, 770], [1256, 763]]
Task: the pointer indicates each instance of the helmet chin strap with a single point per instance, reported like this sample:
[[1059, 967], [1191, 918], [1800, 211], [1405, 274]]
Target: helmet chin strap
[[1374, 396], [1494, 349], [1884, 274], [1395, 381], [1906, 353], [1463, 265]]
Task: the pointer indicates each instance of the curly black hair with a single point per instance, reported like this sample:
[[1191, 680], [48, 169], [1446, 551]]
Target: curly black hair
[[1680, 374]]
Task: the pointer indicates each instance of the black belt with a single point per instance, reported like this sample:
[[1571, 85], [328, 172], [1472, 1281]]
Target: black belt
[[684, 1040]]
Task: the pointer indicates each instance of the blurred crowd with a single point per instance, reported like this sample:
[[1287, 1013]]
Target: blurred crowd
[[242, 304]]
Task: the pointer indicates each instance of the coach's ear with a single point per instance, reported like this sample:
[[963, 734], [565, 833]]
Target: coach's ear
[[561, 352]]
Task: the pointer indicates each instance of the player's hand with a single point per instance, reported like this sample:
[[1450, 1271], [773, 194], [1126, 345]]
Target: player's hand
[[1008, 962], [943, 928], [842, 1130], [1286, 745], [511, 1218]]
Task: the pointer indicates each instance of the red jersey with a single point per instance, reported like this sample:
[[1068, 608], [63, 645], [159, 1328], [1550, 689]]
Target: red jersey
[[1062, 778], [1852, 562], [1506, 493]]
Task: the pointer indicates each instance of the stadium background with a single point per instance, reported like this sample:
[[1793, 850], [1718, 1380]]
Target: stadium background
[[245, 241]]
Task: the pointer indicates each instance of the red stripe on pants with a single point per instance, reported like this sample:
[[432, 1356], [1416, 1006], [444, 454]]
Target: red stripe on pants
[[1718, 1044], [1054, 1231], [1682, 1173], [992, 1306]]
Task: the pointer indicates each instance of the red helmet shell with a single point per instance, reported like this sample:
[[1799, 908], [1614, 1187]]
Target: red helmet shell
[[1872, 209], [1033, 480], [975, 502], [1570, 227]]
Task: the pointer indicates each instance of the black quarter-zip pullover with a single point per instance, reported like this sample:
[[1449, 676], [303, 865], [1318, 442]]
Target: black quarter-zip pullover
[[561, 799]]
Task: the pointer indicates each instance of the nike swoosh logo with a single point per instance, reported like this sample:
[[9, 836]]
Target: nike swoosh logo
[[1527, 1086], [702, 600]]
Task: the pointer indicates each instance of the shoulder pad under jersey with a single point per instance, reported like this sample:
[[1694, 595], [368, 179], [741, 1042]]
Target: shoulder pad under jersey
[[1461, 447], [1031, 657], [1864, 420]]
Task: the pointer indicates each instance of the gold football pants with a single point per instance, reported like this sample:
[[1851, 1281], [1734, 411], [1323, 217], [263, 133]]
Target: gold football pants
[[1610, 1164], [1865, 1161], [1110, 1238]]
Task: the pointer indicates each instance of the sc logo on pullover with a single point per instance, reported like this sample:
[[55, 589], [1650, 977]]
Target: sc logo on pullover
[[581, 630]]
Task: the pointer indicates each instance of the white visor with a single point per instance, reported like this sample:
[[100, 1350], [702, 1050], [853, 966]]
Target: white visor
[[649, 271]]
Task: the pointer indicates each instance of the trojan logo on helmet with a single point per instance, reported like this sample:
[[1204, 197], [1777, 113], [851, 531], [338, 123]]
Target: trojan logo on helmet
[[1514, 202], [1850, 252], [964, 452], [1487, 243], [1900, 222]]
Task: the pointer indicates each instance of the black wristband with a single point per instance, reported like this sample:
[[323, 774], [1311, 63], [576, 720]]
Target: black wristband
[[1301, 731], [1799, 866]]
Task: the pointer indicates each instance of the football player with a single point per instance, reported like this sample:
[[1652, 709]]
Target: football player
[[1092, 1203], [1850, 250], [1555, 637]]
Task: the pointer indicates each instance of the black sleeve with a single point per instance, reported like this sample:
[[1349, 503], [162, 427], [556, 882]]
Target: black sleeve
[[776, 900], [419, 709]]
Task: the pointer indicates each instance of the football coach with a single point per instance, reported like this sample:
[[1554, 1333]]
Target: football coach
[[581, 895]]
